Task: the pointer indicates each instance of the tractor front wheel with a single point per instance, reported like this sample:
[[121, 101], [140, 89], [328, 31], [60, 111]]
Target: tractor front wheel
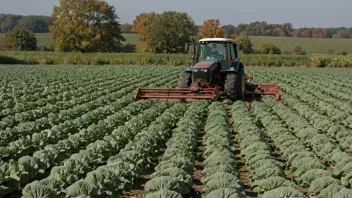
[[185, 80], [230, 86]]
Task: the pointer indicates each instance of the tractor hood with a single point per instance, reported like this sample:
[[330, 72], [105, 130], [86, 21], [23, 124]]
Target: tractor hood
[[203, 70], [204, 64]]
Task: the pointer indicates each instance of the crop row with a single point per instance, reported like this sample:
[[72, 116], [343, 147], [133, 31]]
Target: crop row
[[220, 175], [173, 175], [267, 174], [336, 132], [42, 160], [60, 97], [20, 146], [305, 163], [42, 93], [321, 96], [85, 163], [29, 168], [48, 93], [337, 110], [57, 111]]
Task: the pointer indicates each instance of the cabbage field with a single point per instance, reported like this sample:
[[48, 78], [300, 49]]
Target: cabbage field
[[76, 131]]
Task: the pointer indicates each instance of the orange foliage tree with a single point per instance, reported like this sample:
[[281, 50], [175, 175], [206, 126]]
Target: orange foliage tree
[[210, 29], [279, 32], [141, 25], [319, 33]]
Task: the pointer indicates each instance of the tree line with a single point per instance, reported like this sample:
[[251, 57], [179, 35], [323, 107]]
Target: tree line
[[40, 24], [36, 24], [93, 26], [280, 30]]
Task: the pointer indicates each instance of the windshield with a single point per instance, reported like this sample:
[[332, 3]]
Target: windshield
[[211, 50]]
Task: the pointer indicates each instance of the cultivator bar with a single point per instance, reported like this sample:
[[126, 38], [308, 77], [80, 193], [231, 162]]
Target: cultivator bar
[[202, 91], [178, 94], [197, 91], [263, 89]]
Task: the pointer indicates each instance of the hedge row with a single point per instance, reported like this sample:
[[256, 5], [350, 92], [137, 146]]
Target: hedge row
[[54, 58]]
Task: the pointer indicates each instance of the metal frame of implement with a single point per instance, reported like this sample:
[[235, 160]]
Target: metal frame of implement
[[200, 91]]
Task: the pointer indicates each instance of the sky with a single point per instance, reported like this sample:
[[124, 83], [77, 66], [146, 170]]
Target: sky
[[301, 13]]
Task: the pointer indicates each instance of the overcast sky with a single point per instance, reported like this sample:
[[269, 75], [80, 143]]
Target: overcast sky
[[301, 13]]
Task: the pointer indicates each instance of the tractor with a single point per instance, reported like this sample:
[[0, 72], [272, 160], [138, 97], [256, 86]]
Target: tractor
[[215, 73]]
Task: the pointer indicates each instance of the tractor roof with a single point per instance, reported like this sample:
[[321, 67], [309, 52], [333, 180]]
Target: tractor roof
[[217, 39]]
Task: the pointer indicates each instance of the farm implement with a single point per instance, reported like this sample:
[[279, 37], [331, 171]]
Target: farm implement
[[216, 74]]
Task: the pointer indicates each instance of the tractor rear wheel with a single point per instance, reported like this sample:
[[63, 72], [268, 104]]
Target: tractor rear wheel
[[230, 86], [185, 80], [241, 85]]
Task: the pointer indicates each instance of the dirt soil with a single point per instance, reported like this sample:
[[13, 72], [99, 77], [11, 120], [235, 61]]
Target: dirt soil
[[244, 175], [197, 188]]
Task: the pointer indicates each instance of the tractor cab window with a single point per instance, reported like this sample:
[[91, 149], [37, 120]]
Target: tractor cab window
[[212, 50]]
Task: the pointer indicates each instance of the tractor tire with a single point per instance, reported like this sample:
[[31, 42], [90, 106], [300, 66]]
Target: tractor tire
[[230, 86], [185, 80], [241, 85]]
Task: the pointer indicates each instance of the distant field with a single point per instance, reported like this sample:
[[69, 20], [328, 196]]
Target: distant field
[[317, 46]]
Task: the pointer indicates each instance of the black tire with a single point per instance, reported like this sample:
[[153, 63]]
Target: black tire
[[230, 86], [241, 86], [185, 80]]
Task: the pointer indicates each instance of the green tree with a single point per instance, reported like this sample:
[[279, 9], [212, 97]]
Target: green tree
[[86, 25], [163, 33], [170, 31], [229, 29], [245, 42], [269, 48], [20, 39]]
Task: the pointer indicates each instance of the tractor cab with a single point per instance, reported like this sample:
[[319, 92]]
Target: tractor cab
[[222, 50]]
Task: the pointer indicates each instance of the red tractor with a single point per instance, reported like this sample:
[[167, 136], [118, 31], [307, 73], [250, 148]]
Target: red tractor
[[215, 73]]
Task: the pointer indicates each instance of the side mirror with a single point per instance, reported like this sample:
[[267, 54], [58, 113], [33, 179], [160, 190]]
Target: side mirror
[[186, 47], [240, 47]]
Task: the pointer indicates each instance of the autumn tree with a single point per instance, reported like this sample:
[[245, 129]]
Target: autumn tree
[[319, 33], [86, 25], [245, 42], [20, 39], [279, 32], [211, 29], [163, 33], [141, 25]]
